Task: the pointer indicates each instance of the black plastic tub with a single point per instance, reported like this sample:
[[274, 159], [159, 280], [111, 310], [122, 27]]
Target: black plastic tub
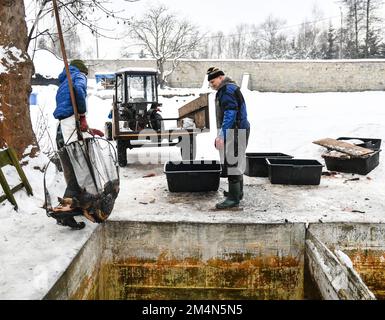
[[369, 143], [193, 176], [355, 165], [256, 165], [294, 171]]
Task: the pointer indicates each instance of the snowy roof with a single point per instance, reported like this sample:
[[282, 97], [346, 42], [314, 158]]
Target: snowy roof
[[103, 73], [135, 69]]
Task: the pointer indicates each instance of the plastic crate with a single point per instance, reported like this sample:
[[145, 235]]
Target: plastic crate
[[193, 176], [369, 143], [355, 165], [33, 99], [294, 171], [256, 165]]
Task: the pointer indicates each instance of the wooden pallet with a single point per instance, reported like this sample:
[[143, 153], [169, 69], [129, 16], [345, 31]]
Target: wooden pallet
[[344, 147]]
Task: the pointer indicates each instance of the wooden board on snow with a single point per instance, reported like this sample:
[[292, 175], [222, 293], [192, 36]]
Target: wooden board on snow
[[348, 148]]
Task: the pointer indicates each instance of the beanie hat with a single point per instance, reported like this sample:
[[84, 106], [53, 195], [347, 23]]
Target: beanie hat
[[214, 72], [80, 65]]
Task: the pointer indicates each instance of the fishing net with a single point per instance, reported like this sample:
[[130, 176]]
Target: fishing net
[[83, 180]]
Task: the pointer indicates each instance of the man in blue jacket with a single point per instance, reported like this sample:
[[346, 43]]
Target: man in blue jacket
[[233, 135], [64, 111], [67, 132]]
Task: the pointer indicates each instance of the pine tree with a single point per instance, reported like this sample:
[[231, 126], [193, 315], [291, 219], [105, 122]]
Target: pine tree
[[331, 52]]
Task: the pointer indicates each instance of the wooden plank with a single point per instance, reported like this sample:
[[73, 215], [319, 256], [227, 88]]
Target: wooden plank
[[4, 158], [344, 147], [194, 105], [16, 164], [197, 110], [7, 190], [335, 278], [200, 118], [8, 156], [336, 155]]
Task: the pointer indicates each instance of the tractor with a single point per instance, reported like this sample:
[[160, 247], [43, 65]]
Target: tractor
[[137, 122]]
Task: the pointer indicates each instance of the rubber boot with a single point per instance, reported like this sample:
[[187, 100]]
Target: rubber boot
[[72, 223], [226, 193], [232, 199]]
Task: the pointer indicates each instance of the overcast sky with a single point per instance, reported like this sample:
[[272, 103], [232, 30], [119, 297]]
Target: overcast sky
[[224, 15]]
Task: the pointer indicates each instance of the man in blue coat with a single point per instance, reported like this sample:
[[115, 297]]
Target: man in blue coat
[[67, 132], [233, 135], [64, 111]]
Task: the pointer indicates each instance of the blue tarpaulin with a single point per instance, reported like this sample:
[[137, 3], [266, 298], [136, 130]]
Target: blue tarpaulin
[[102, 76]]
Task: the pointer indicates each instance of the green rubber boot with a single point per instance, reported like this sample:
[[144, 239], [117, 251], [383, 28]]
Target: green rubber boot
[[233, 196], [226, 193]]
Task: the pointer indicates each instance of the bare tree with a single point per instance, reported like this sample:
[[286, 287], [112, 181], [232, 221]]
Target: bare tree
[[74, 13], [16, 70], [165, 38], [354, 18], [269, 33], [238, 41], [71, 40], [268, 40]]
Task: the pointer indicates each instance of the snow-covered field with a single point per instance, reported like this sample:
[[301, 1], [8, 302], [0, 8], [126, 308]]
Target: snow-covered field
[[34, 251]]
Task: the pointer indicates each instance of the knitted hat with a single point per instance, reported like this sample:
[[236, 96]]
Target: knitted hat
[[214, 72], [80, 65]]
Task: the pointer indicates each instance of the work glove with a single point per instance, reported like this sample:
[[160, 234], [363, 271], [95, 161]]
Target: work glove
[[83, 124], [219, 143], [95, 132]]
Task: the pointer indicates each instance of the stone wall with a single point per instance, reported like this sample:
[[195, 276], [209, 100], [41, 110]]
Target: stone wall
[[270, 75]]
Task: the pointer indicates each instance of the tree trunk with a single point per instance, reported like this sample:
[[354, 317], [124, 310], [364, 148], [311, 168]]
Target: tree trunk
[[162, 82], [356, 22], [367, 28], [15, 81]]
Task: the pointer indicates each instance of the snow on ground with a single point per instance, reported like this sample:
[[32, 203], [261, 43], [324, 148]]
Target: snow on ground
[[34, 251]]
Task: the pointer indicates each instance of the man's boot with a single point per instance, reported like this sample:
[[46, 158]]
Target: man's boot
[[72, 223], [226, 193], [233, 196]]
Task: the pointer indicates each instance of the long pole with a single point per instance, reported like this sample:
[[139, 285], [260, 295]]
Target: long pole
[[97, 42], [340, 55], [70, 84]]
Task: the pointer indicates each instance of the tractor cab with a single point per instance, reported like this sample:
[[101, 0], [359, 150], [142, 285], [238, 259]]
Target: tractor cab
[[136, 98]]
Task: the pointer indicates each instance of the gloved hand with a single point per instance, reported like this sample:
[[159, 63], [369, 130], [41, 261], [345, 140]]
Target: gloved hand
[[83, 123], [95, 132], [219, 143]]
